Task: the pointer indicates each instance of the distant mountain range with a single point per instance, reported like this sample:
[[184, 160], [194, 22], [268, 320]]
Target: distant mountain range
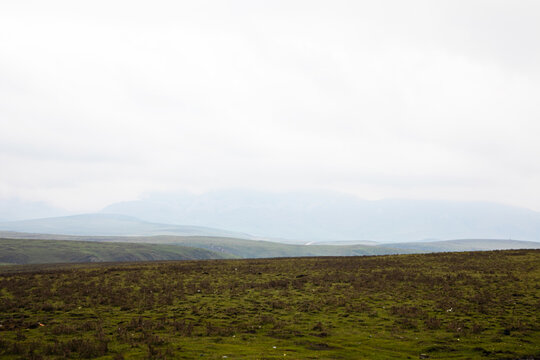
[[294, 217], [329, 216], [109, 224], [301, 224]]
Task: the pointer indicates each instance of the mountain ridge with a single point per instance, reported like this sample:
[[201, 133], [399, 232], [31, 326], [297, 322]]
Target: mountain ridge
[[295, 217], [109, 225], [329, 216]]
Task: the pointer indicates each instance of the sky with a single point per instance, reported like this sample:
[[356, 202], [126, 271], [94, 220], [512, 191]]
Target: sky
[[104, 101]]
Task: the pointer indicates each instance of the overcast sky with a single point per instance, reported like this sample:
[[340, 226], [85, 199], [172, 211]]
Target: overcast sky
[[102, 101]]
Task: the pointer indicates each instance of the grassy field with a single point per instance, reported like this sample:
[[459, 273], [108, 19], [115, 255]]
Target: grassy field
[[437, 306], [24, 251]]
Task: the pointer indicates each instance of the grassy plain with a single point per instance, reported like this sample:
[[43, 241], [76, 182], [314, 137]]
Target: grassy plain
[[439, 306]]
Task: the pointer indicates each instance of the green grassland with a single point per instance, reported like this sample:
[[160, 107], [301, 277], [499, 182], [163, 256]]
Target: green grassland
[[24, 251], [439, 306]]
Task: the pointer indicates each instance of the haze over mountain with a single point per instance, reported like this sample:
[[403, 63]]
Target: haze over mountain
[[318, 216], [314, 216], [109, 224], [12, 209]]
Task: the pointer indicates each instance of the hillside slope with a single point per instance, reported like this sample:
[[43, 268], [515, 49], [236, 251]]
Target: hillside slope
[[265, 249], [223, 245], [242, 248], [25, 251], [467, 245]]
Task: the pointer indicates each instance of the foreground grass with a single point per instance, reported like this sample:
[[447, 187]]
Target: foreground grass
[[441, 306]]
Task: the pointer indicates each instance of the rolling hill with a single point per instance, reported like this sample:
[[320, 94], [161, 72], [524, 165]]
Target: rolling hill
[[27, 251], [266, 249], [467, 245], [243, 248], [228, 247]]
